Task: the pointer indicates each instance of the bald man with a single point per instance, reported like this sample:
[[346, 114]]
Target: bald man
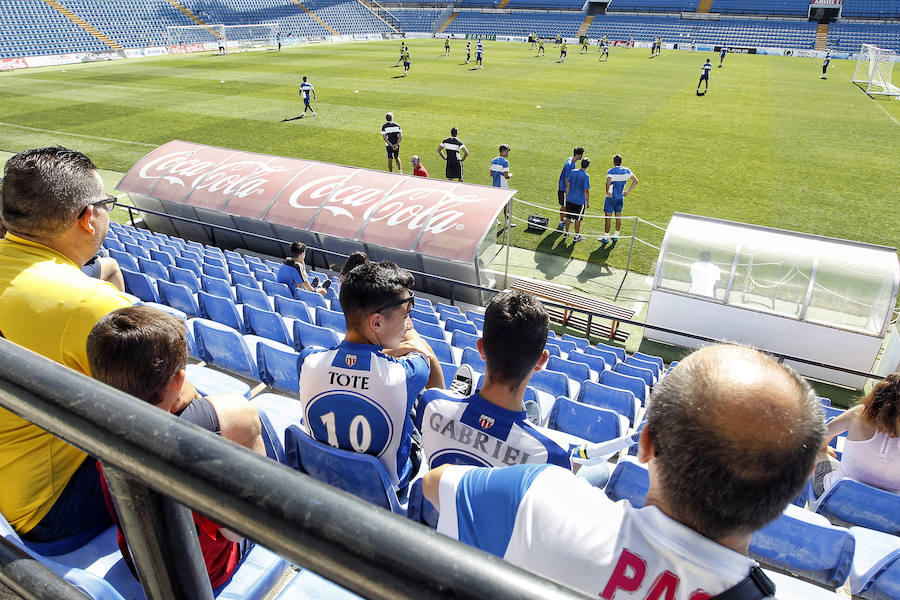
[[731, 438]]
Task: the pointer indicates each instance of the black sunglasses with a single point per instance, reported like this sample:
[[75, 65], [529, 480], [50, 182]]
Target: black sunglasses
[[107, 203], [411, 299]]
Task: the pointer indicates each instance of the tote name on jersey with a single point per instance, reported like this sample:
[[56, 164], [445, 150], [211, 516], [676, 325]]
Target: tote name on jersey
[[477, 440]]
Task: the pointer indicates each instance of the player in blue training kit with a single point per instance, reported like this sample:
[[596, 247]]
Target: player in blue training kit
[[578, 197], [358, 395], [306, 88], [722, 55], [616, 178], [479, 51], [570, 163], [500, 177], [704, 76], [825, 64], [604, 50]]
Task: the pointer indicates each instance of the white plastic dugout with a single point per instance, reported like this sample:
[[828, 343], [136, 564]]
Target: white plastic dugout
[[874, 70]]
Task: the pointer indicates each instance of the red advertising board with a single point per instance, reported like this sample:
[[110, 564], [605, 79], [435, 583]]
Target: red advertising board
[[429, 216]]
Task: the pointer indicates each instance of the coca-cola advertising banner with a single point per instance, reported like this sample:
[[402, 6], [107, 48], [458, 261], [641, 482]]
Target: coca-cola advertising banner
[[439, 218]]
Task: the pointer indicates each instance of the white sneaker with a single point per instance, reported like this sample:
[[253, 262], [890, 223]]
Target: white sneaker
[[615, 235], [464, 381], [577, 237], [605, 238]]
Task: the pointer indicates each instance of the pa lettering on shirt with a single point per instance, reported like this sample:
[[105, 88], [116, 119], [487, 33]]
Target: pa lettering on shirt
[[357, 382], [630, 574]]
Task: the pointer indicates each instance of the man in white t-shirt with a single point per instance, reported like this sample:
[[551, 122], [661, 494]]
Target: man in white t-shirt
[[704, 276], [731, 438]]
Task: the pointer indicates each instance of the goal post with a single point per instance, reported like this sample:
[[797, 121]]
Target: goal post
[[874, 71], [257, 36], [177, 35]]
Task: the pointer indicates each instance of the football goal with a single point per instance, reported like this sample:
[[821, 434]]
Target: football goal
[[233, 38], [874, 70]]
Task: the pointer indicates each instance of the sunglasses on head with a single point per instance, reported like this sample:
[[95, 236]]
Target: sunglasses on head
[[411, 299], [107, 203]]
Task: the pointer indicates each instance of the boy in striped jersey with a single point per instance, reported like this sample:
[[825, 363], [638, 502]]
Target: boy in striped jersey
[[479, 50], [306, 88]]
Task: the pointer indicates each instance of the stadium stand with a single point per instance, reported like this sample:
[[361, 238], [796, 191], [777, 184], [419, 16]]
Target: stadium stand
[[653, 5], [849, 37], [787, 8]]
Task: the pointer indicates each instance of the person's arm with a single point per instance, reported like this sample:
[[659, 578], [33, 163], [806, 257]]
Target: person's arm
[[587, 198], [399, 137], [608, 184], [385, 136], [465, 153], [314, 94], [634, 182], [431, 485], [441, 151], [841, 423], [413, 342], [567, 187]]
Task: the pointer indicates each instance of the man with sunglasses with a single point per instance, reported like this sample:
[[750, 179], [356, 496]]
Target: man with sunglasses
[[57, 213], [358, 395]]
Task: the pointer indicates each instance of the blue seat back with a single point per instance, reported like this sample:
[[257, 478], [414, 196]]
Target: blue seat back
[[593, 362], [278, 368], [445, 310], [243, 279], [215, 270], [188, 263], [306, 335], [609, 357], [604, 396], [312, 299], [125, 260], [252, 296], [859, 504], [221, 310], [239, 268], [565, 345], [635, 385], [271, 441], [552, 348], [359, 474], [650, 358], [163, 257], [136, 251], [472, 358], [331, 319], [578, 341], [442, 350], [153, 268], [551, 382], [274, 288], [420, 509], [644, 375], [461, 339], [575, 371], [267, 324], [431, 330], [452, 324], [184, 277], [138, 284], [112, 243], [224, 347], [475, 317], [178, 296], [424, 315], [448, 369], [292, 309], [645, 364], [619, 352], [588, 422], [216, 286], [629, 481]]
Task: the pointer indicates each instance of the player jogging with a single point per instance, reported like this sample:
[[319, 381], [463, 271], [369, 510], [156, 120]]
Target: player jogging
[[468, 51], [446, 46], [722, 56], [540, 47], [693, 45], [479, 51], [704, 76], [402, 50], [392, 135], [584, 46], [825, 64], [604, 51], [562, 52], [616, 178], [306, 88], [405, 58]]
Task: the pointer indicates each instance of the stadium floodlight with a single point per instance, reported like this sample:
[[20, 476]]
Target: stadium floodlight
[[180, 35], [258, 36], [874, 69]]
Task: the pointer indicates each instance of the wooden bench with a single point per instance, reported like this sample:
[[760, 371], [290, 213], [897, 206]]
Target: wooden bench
[[579, 321]]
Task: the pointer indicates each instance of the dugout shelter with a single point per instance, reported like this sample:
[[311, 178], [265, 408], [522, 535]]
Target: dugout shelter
[[819, 298], [432, 226]]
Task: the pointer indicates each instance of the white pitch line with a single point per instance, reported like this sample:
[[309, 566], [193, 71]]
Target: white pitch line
[[890, 116], [78, 135]]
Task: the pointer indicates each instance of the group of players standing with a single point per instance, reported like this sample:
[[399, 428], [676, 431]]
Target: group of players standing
[[479, 51]]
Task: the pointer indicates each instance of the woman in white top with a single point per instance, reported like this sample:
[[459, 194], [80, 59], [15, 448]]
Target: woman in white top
[[872, 448]]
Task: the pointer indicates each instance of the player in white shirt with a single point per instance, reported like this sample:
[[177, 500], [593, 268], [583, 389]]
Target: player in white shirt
[[490, 427], [730, 440], [359, 395], [704, 276]]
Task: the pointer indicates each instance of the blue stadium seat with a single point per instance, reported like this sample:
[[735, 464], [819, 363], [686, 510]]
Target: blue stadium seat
[[292, 309], [125, 260], [473, 359], [221, 310], [239, 268], [475, 317], [136, 251], [585, 421], [650, 358], [242, 279], [849, 501], [448, 370], [442, 350], [549, 385], [635, 385], [609, 357], [654, 369], [153, 268], [446, 309], [306, 335], [596, 363], [274, 288], [604, 396], [420, 509], [214, 266], [875, 574], [578, 341], [138, 284], [646, 375], [252, 296], [111, 243], [431, 330], [564, 345], [185, 277], [463, 340], [619, 352], [426, 316], [225, 348], [552, 349], [282, 411], [312, 299], [279, 368], [451, 325], [629, 481], [216, 286], [331, 319], [268, 324], [163, 257], [577, 372], [188, 263], [356, 473], [178, 296]]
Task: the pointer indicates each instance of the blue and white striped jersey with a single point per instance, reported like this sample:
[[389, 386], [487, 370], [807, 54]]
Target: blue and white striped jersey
[[357, 398], [306, 88], [619, 176], [546, 520], [473, 431], [499, 166]]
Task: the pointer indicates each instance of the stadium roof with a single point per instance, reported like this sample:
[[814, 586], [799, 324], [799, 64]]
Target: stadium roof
[[439, 218]]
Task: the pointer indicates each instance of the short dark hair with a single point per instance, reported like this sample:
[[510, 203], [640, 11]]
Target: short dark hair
[[453, 131], [515, 333], [297, 248], [45, 189], [369, 286], [718, 480], [354, 260], [390, 116], [617, 159], [882, 405], [578, 150], [304, 78], [585, 163], [137, 349], [503, 147]]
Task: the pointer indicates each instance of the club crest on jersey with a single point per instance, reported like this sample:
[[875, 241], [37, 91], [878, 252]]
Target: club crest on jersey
[[350, 359], [485, 421]]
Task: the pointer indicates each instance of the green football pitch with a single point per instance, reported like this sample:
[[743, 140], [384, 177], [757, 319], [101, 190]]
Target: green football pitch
[[771, 143]]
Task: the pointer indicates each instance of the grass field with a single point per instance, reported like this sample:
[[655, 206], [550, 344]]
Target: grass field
[[770, 144]]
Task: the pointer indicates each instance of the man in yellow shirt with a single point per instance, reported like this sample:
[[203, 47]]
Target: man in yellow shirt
[[57, 213]]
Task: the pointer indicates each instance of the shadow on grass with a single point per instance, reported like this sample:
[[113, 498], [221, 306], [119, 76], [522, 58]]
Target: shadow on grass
[[298, 117], [398, 76]]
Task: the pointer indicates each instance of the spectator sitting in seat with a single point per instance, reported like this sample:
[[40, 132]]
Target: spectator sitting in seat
[[105, 268], [57, 213], [731, 438], [143, 351], [354, 260], [358, 395], [872, 448], [293, 272], [490, 428]]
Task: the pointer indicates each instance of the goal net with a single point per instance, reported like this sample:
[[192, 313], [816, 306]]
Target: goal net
[[874, 70], [233, 38], [187, 35]]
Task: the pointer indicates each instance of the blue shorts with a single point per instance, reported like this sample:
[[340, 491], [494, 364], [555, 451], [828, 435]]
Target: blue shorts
[[613, 205]]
